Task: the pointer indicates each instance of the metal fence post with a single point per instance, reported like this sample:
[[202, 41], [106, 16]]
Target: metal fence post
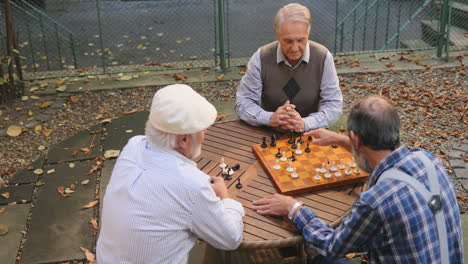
[[222, 48], [442, 31], [100, 36]]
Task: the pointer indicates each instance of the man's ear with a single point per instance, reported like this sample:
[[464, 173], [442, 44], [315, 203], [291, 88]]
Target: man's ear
[[355, 139], [183, 141]]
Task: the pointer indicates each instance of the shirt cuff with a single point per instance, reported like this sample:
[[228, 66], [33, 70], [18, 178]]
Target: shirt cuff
[[264, 118], [304, 216], [234, 205]]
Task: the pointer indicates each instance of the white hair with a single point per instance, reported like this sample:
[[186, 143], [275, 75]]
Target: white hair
[[162, 139], [292, 12]]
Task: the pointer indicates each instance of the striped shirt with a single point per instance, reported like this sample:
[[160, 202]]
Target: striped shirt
[[157, 204], [391, 221]]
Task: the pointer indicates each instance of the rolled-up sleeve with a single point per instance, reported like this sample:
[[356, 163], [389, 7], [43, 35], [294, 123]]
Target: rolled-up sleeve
[[249, 94], [218, 222], [331, 99]]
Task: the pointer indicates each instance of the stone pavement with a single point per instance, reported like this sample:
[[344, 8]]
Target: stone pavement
[[46, 227]]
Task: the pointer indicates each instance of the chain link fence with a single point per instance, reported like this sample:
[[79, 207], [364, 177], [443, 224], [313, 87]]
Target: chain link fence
[[81, 37]]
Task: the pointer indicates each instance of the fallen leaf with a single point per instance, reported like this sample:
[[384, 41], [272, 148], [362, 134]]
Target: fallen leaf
[[40, 183], [71, 165], [61, 190], [6, 195], [90, 204], [128, 131], [104, 121], [350, 256], [86, 150], [38, 171], [46, 104], [179, 77], [85, 182], [60, 82], [72, 186], [125, 78], [14, 131], [90, 257], [51, 171], [3, 209], [37, 128], [462, 197], [220, 117], [112, 153], [220, 77], [69, 191], [46, 132], [130, 112], [3, 229], [24, 98], [94, 223], [61, 88]]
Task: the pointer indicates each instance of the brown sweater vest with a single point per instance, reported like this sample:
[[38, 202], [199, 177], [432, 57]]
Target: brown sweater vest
[[307, 75]]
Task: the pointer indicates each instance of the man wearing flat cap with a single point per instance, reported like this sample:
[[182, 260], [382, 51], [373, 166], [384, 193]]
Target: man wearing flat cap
[[158, 203]]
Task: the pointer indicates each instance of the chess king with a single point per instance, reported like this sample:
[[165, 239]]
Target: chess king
[[158, 203], [410, 212], [290, 84]]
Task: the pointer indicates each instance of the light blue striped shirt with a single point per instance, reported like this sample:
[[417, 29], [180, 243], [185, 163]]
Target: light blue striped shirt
[[157, 204]]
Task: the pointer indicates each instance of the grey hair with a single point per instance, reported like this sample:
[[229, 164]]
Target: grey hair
[[292, 12], [162, 139]]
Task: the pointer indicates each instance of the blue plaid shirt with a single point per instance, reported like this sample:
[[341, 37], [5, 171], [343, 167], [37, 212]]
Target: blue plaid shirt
[[391, 221]]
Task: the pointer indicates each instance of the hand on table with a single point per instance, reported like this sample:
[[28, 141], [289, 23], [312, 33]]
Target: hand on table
[[217, 183], [325, 137], [279, 113], [287, 118], [275, 204]]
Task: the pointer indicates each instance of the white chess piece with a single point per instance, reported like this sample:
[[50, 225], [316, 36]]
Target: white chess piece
[[277, 166], [298, 150], [341, 166], [323, 170], [357, 171], [317, 177], [290, 168], [333, 168], [283, 156], [225, 170], [222, 165], [338, 174], [327, 176], [294, 175], [230, 171]]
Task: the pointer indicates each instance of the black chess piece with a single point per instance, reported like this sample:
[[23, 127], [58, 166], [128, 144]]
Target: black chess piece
[[273, 141], [278, 155], [294, 146], [307, 149], [264, 144], [238, 185], [300, 138], [235, 167], [292, 158], [291, 137], [334, 146], [309, 138], [228, 177]]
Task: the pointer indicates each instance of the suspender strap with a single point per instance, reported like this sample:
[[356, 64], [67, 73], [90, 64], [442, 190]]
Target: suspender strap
[[432, 198]]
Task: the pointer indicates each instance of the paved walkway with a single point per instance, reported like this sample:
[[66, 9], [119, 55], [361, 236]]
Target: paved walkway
[[55, 226]]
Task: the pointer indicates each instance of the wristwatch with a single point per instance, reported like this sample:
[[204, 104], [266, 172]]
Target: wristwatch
[[293, 209]]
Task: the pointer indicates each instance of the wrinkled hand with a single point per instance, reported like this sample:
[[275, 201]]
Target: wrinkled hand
[[279, 114], [325, 137], [292, 120], [217, 183], [275, 204]]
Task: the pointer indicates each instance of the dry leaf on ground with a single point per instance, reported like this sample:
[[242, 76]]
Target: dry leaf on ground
[[130, 112], [38, 171], [46, 132], [94, 223], [90, 204], [89, 255], [14, 131], [86, 150], [220, 117], [6, 195], [3, 229], [2, 209], [112, 153]]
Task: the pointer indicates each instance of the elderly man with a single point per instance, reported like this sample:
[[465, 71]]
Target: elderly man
[[291, 83], [158, 203], [409, 214]]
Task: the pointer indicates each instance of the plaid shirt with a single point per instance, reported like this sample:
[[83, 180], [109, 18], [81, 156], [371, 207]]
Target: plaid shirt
[[391, 221]]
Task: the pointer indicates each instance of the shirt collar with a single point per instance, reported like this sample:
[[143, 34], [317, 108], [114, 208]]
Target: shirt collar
[[281, 58], [388, 162], [167, 151]]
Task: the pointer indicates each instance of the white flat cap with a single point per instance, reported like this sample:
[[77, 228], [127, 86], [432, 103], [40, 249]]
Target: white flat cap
[[178, 109]]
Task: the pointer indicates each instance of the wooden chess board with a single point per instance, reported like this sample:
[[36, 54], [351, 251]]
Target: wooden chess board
[[306, 165]]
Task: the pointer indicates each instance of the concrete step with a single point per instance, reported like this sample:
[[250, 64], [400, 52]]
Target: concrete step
[[430, 29], [414, 44], [460, 15]]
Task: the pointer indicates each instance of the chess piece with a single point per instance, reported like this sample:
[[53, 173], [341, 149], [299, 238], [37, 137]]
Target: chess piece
[[323, 170], [291, 137], [298, 150], [357, 171], [333, 168], [327, 176], [273, 141], [348, 170], [307, 148], [294, 175], [290, 168], [283, 157], [300, 138], [294, 146], [341, 165], [230, 172], [238, 185], [292, 158], [317, 177], [225, 171], [222, 165], [277, 166], [338, 174], [264, 144], [352, 165], [309, 138], [334, 146], [235, 167], [278, 155]]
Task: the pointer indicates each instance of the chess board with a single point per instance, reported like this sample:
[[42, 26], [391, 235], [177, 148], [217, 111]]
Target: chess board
[[306, 165]]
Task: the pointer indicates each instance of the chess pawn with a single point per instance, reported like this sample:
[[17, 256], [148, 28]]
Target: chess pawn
[[273, 141], [298, 150], [341, 166], [347, 171], [230, 172], [222, 165], [323, 170], [277, 166], [327, 176], [292, 158], [264, 145], [352, 165], [290, 168], [357, 171], [333, 168], [317, 177], [283, 157], [307, 150], [225, 170], [278, 155], [338, 174], [294, 175]]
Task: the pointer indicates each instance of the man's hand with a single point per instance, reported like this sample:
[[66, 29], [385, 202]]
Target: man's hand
[[325, 137], [275, 204], [292, 120], [217, 183], [280, 114]]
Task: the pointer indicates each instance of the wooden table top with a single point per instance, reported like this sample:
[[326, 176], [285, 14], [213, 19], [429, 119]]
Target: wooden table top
[[233, 140]]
